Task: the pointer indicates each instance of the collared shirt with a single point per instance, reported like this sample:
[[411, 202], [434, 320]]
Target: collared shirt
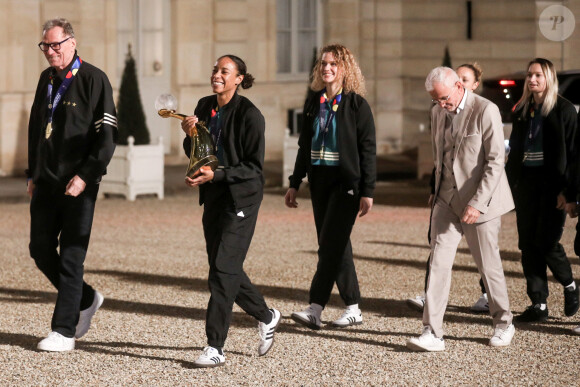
[[462, 103]]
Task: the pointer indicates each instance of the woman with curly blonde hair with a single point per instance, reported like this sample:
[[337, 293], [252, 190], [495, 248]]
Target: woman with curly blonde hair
[[353, 80], [337, 150]]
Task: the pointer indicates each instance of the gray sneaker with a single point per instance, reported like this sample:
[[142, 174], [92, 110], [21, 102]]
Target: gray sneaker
[[416, 303], [86, 315], [481, 305]]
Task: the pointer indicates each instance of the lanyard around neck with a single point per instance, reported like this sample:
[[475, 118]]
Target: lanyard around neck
[[52, 105], [324, 123]]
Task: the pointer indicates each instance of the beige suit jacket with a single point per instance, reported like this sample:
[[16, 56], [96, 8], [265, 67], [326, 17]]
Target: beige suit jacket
[[478, 159]]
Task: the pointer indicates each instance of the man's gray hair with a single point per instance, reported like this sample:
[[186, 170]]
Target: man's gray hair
[[441, 74], [59, 22]]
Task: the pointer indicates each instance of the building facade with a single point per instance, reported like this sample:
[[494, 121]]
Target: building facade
[[176, 42]]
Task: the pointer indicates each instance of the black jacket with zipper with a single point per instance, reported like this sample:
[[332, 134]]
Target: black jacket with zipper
[[356, 144], [243, 149], [559, 137], [84, 128]]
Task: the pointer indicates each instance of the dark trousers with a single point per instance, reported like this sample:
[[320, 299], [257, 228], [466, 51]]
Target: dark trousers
[[577, 239], [228, 232], [57, 219], [540, 227], [335, 212]]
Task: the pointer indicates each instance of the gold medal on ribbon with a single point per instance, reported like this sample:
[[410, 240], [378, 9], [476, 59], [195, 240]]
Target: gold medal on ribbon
[[48, 130]]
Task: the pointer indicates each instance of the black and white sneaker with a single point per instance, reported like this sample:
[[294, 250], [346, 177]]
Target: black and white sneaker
[[348, 318], [210, 357], [266, 332], [309, 318]]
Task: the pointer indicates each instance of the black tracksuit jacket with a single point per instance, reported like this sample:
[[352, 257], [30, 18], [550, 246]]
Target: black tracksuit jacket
[[84, 128]]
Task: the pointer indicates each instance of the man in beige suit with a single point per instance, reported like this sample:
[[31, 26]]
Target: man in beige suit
[[471, 194]]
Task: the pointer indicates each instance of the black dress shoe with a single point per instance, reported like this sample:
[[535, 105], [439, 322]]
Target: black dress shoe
[[533, 314], [571, 301]]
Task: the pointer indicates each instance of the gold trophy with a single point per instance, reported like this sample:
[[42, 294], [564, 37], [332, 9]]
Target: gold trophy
[[202, 146]]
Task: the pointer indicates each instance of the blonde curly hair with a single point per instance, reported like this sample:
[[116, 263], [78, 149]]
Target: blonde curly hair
[[352, 78]]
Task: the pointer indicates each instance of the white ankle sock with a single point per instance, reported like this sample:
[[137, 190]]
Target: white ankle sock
[[352, 307], [572, 286], [317, 308]]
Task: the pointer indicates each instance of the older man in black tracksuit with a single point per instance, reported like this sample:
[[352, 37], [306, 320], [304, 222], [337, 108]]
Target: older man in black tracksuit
[[71, 137]]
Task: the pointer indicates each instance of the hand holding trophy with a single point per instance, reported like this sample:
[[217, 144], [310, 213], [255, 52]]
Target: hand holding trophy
[[202, 145]]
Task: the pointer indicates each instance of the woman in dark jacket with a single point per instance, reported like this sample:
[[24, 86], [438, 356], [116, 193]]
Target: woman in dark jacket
[[231, 197], [538, 168], [337, 150]]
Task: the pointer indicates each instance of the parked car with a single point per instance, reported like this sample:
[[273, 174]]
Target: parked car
[[505, 92]]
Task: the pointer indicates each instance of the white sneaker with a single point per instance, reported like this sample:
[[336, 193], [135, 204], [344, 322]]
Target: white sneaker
[[576, 330], [417, 303], [309, 317], [55, 342], [348, 318], [502, 337], [481, 305], [210, 357], [426, 342], [266, 332], [86, 315]]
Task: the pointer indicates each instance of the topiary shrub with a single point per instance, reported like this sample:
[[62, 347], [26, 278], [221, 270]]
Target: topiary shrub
[[130, 116]]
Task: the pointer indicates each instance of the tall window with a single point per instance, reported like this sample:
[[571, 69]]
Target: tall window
[[298, 35]]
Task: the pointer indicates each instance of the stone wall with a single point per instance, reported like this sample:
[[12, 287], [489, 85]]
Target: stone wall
[[21, 22], [396, 41]]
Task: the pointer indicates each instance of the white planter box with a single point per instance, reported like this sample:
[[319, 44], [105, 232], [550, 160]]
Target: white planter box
[[135, 170]]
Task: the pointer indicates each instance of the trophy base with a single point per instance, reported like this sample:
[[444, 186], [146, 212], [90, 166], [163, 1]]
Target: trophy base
[[209, 161]]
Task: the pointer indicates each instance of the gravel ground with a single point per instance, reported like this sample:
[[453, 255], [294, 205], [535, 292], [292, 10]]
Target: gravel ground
[[147, 258]]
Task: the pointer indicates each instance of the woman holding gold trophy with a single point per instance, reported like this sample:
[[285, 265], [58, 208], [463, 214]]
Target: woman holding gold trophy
[[231, 196]]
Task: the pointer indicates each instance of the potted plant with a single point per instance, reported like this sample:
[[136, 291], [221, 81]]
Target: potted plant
[[136, 167]]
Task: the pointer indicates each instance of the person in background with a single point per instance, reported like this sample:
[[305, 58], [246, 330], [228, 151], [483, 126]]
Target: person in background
[[231, 196], [574, 209], [470, 75], [471, 195], [337, 150], [538, 167], [71, 139]]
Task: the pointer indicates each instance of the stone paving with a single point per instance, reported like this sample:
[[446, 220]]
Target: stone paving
[[147, 258]]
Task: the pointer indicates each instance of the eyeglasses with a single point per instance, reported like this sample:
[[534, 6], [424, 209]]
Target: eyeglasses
[[444, 99], [55, 46]]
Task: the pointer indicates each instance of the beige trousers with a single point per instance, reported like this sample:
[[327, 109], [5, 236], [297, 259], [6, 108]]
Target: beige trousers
[[482, 239]]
